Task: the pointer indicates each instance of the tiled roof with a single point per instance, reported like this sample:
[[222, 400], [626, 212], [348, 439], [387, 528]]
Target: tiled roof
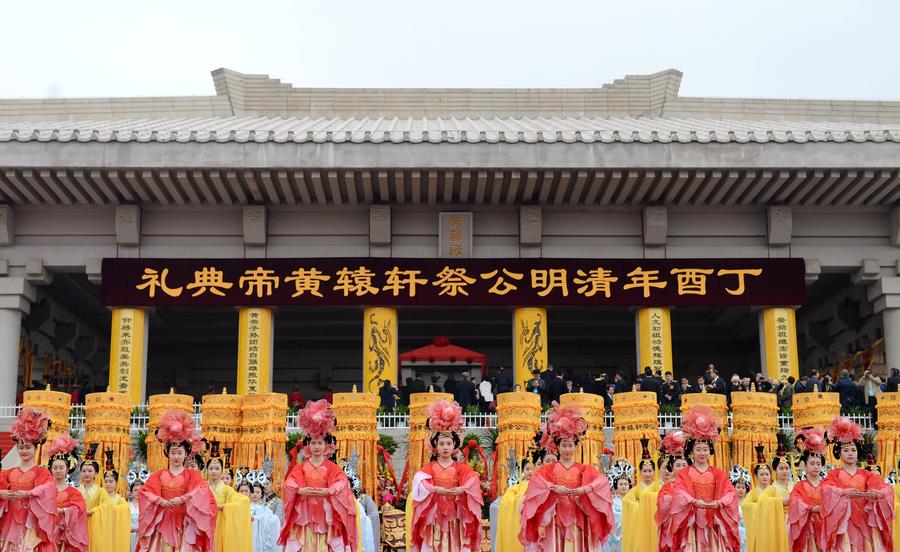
[[448, 130]]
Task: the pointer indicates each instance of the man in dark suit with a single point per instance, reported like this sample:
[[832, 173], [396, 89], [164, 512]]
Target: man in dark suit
[[608, 397], [716, 384], [557, 388], [417, 386], [847, 390], [648, 381], [670, 394], [465, 392], [893, 381], [504, 381], [621, 383], [814, 381]]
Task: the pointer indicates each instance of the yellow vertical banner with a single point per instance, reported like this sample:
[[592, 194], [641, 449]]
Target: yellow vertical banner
[[128, 353], [529, 342], [255, 334], [380, 349], [654, 339], [779, 342]]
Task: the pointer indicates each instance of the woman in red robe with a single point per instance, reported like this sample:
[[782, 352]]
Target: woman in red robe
[[71, 532], [27, 493], [704, 514], [568, 506], [858, 506], [806, 526], [319, 507], [672, 460], [177, 509], [446, 494]]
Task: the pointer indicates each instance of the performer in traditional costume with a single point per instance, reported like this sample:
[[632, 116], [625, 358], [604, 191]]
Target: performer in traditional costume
[[639, 507], [71, 533], [508, 516], [320, 512], [806, 524], [894, 481], [446, 494], [110, 521], [704, 515], [27, 493], [233, 516], [177, 509], [265, 525], [772, 509], [270, 499], [762, 472], [568, 505], [858, 506], [742, 482], [620, 475], [671, 460]]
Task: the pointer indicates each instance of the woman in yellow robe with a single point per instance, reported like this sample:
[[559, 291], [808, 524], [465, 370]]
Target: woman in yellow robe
[[750, 505], [109, 522], [771, 514], [508, 518], [639, 508], [233, 524]]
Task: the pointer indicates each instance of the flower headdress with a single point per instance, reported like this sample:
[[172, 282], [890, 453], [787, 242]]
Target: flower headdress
[[176, 428], [316, 421], [844, 430], [673, 443], [31, 426], [740, 474], [813, 442], [563, 422], [702, 424], [444, 417], [64, 448]]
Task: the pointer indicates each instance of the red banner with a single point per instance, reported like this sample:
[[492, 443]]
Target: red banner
[[452, 282]]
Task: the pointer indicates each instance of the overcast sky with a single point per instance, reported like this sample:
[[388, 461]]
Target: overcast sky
[[783, 48]]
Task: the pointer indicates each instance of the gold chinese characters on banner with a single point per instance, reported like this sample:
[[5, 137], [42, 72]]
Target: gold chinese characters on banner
[[636, 418], [221, 419], [419, 451], [127, 352], [107, 421], [263, 435], [755, 422], [887, 438], [455, 279], [255, 350], [159, 405], [357, 430], [719, 405], [593, 410]]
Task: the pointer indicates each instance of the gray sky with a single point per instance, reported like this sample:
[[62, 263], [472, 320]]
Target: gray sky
[[784, 48]]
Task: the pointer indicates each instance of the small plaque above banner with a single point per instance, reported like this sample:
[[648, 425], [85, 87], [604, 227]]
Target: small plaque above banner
[[455, 235]]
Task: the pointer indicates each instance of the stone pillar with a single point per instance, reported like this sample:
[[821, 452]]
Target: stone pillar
[[778, 342], [128, 353], [255, 339], [16, 296], [530, 350], [653, 335], [891, 321], [884, 294], [380, 348]]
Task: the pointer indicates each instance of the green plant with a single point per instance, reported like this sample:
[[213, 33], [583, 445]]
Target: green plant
[[401, 409], [139, 445], [669, 409], [470, 410], [292, 440], [787, 438], [490, 441], [388, 443], [139, 411]]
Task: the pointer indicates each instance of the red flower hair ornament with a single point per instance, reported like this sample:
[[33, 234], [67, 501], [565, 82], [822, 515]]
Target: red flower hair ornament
[[563, 422], [444, 416], [31, 426], [63, 445], [316, 419], [673, 443], [702, 424], [814, 440], [176, 426], [843, 430]]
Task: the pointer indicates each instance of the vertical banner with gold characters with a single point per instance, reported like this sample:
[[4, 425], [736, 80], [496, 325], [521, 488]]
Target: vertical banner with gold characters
[[654, 339], [778, 336], [255, 334], [380, 349], [128, 353], [529, 342]]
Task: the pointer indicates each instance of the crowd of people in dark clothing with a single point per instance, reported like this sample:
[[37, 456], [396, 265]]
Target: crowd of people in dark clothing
[[859, 392]]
